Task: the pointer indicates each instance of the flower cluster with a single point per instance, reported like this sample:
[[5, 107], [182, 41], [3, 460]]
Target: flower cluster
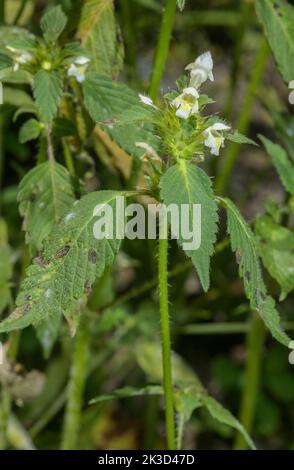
[[78, 68]]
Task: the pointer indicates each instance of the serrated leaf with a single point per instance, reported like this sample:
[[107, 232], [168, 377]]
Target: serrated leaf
[[185, 183], [60, 278], [239, 138], [277, 18], [282, 163], [48, 87], [53, 23], [106, 101], [244, 245], [127, 392], [45, 194], [30, 130], [221, 414], [97, 31], [276, 248]]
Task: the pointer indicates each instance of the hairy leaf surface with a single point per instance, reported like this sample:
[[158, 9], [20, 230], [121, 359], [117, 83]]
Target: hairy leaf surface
[[185, 183], [48, 87]]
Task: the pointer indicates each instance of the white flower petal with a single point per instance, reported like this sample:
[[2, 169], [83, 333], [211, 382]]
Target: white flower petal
[[82, 60], [146, 100], [191, 91], [183, 113]]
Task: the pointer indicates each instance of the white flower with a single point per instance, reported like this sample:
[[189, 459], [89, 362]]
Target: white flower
[[186, 103], [78, 68], [201, 69], [214, 138], [23, 58], [146, 100], [291, 95]]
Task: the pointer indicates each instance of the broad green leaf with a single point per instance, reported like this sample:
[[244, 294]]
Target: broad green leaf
[[276, 248], [282, 163], [277, 18], [98, 34], [5, 61], [221, 414], [17, 98], [60, 278], [106, 102], [127, 392], [48, 87], [45, 194], [244, 245], [239, 138], [185, 183], [53, 23], [5, 266], [30, 130]]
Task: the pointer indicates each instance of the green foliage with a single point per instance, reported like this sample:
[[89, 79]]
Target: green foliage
[[127, 392], [53, 23], [244, 245], [60, 279], [281, 162], [98, 34], [5, 61], [185, 183], [48, 87], [239, 138], [181, 4], [45, 194], [30, 130], [276, 248], [5, 266], [277, 18]]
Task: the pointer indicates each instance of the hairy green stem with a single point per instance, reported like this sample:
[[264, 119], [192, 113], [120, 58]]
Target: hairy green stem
[[166, 343], [68, 157], [230, 157], [162, 46], [255, 343], [76, 386]]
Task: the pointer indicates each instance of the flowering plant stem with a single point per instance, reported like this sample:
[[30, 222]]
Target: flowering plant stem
[[255, 342], [78, 375], [231, 155], [162, 46], [166, 344]]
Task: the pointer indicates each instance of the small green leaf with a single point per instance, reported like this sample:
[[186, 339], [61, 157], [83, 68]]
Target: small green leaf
[[245, 246], [5, 266], [127, 392], [30, 130], [221, 414], [277, 18], [276, 248], [185, 183], [45, 194], [48, 89], [60, 278], [97, 31], [282, 163], [53, 23]]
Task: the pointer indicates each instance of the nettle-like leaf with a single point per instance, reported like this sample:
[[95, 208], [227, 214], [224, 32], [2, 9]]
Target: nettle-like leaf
[[276, 248], [53, 23], [30, 130], [277, 18], [282, 163], [107, 101], [5, 61], [190, 394], [97, 31], [61, 276], [45, 194], [244, 245], [185, 183], [128, 392], [48, 88], [5, 266], [239, 138]]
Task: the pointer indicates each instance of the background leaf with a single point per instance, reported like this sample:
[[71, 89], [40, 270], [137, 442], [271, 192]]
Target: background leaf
[[53, 23], [30, 130]]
